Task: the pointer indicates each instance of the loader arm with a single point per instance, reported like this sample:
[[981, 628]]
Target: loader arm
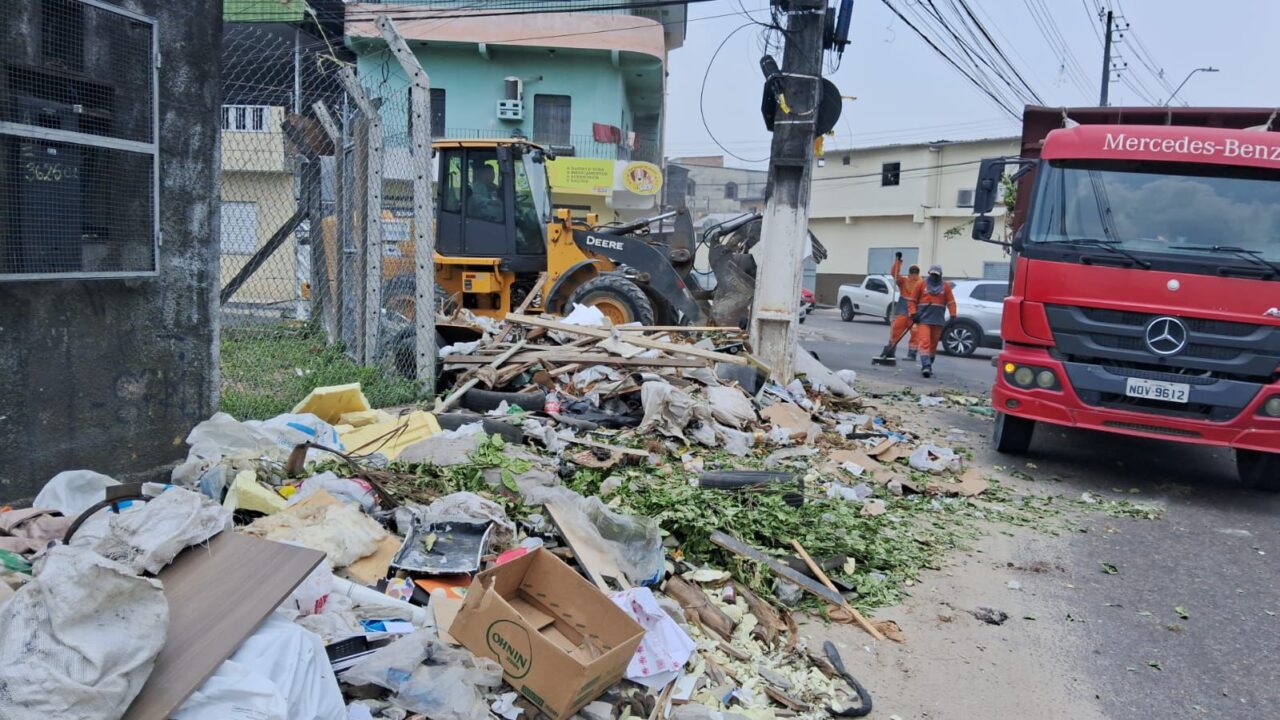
[[649, 261]]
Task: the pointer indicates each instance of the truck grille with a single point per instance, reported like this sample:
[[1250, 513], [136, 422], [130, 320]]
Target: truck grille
[[1215, 349]]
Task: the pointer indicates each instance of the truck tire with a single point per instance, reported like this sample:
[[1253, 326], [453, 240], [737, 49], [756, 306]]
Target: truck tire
[[1012, 435], [1259, 470], [961, 338], [483, 401], [621, 300], [846, 310]]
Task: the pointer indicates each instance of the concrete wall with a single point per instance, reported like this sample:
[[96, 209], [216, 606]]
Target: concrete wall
[[110, 374], [853, 212], [272, 193]]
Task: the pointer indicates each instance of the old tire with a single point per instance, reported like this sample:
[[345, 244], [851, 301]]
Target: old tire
[[961, 338], [1012, 435], [621, 300], [846, 310], [455, 420], [483, 401], [1259, 470]]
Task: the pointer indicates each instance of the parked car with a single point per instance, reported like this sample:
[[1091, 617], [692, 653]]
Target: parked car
[[807, 302], [979, 304], [874, 296]]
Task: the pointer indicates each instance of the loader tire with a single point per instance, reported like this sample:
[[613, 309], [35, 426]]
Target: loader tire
[[482, 401], [621, 300]]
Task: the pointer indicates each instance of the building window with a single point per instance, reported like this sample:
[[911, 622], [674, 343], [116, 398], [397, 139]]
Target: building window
[[438, 105], [889, 174], [845, 160], [245, 118], [964, 198], [551, 119], [691, 188], [239, 228], [731, 191]]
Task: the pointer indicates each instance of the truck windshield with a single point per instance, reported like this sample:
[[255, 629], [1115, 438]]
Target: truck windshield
[[1158, 208]]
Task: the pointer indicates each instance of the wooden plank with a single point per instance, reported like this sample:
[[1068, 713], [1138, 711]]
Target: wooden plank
[[737, 547], [843, 604], [615, 448], [644, 342], [218, 595], [524, 304], [679, 328], [599, 565], [581, 358], [444, 404]]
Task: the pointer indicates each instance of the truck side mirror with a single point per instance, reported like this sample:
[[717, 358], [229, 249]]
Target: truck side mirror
[[984, 226], [990, 173]]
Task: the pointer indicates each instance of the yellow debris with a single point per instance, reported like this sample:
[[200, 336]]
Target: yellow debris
[[246, 493], [360, 418], [330, 403], [391, 437]]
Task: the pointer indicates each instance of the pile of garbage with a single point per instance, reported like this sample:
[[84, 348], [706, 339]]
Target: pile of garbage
[[616, 522]]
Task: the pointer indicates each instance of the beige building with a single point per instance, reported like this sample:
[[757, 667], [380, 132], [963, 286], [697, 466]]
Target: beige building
[[257, 198], [917, 198], [708, 188]]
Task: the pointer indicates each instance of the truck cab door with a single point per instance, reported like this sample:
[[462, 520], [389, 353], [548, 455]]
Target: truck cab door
[[449, 203], [486, 205]]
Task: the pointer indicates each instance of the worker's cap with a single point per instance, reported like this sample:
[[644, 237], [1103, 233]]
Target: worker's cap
[[913, 270], [935, 269]]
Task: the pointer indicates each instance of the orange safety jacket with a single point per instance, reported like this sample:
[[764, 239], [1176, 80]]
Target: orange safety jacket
[[906, 286], [932, 307]]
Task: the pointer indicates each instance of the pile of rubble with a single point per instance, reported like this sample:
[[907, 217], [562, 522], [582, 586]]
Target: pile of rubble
[[618, 522]]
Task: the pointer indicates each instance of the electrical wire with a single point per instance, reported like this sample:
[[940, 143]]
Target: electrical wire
[[990, 40], [702, 94], [999, 102]]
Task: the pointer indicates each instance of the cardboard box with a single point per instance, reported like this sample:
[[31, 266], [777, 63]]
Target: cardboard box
[[561, 642]]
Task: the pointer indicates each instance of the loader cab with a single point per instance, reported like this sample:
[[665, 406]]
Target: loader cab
[[494, 202]]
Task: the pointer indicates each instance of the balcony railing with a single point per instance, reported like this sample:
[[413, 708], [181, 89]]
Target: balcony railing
[[578, 146]]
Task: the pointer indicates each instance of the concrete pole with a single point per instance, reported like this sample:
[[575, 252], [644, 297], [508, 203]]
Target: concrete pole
[[371, 315], [424, 211], [1106, 63], [327, 291], [786, 216]]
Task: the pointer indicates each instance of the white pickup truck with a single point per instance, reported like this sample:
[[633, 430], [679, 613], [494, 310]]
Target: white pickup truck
[[875, 296]]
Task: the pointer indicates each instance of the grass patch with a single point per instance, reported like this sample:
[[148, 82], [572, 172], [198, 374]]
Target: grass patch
[[266, 371]]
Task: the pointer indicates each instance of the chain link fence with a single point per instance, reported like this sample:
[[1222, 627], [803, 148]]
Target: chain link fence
[[317, 257]]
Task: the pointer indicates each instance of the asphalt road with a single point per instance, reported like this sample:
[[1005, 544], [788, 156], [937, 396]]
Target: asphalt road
[[1215, 554]]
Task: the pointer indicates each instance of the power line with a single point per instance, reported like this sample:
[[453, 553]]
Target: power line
[[973, 53], [991, 41], [702, 94], [409, 13], [986, 91]]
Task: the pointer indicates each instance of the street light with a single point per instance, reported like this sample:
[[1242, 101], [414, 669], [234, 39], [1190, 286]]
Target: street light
[[1184, 82]]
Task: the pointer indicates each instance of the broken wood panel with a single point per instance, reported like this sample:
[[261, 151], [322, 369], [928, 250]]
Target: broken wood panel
[[603, 333]]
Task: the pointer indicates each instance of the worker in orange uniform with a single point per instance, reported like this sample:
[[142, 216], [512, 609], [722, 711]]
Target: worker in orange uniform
[[928, 306], [901, 318]]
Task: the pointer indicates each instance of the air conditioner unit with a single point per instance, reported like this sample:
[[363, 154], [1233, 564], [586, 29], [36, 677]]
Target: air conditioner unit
[[964, 198], [510, 109]]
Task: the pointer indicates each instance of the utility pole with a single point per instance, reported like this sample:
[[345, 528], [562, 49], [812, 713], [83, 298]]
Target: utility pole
[[785, 228], [1106, 63]]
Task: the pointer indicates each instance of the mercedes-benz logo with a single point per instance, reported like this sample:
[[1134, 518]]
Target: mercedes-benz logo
[[1166, 336]]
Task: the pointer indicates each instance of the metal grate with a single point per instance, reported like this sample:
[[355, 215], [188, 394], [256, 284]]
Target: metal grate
[[78, 151]]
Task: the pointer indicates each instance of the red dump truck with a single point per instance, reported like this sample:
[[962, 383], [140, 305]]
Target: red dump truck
[[1145, 296]]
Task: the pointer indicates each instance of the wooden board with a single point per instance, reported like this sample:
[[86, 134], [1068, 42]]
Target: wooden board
[[737, 547], [572, 357], [602, 333], [218, 595], [600, 567]]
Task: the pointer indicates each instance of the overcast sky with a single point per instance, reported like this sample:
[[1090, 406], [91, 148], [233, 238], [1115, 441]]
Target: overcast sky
[[906, 92]]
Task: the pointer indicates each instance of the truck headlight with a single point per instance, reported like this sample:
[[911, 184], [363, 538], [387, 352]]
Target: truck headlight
[[1272, 406], [1046, 379], [1024, 376]]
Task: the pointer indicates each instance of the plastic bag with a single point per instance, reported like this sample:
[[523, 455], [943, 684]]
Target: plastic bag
[[934, 459], [80, 639], [339, 530], [634, 542], [150, 535], [730, 406], [665, 648], [223, 440], [669, 410], [280, 672], [345, 489], [312, 593], [470, 505], [429, 677], [71, 492]]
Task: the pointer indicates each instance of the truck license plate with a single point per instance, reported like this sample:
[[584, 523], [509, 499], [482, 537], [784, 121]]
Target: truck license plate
[[1157, 390]]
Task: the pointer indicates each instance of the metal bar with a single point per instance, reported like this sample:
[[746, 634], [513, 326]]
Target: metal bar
[[78, 275], [331, 298], [101, 5], [70, 136], [423, 205], [264, 253], [737, 547]]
